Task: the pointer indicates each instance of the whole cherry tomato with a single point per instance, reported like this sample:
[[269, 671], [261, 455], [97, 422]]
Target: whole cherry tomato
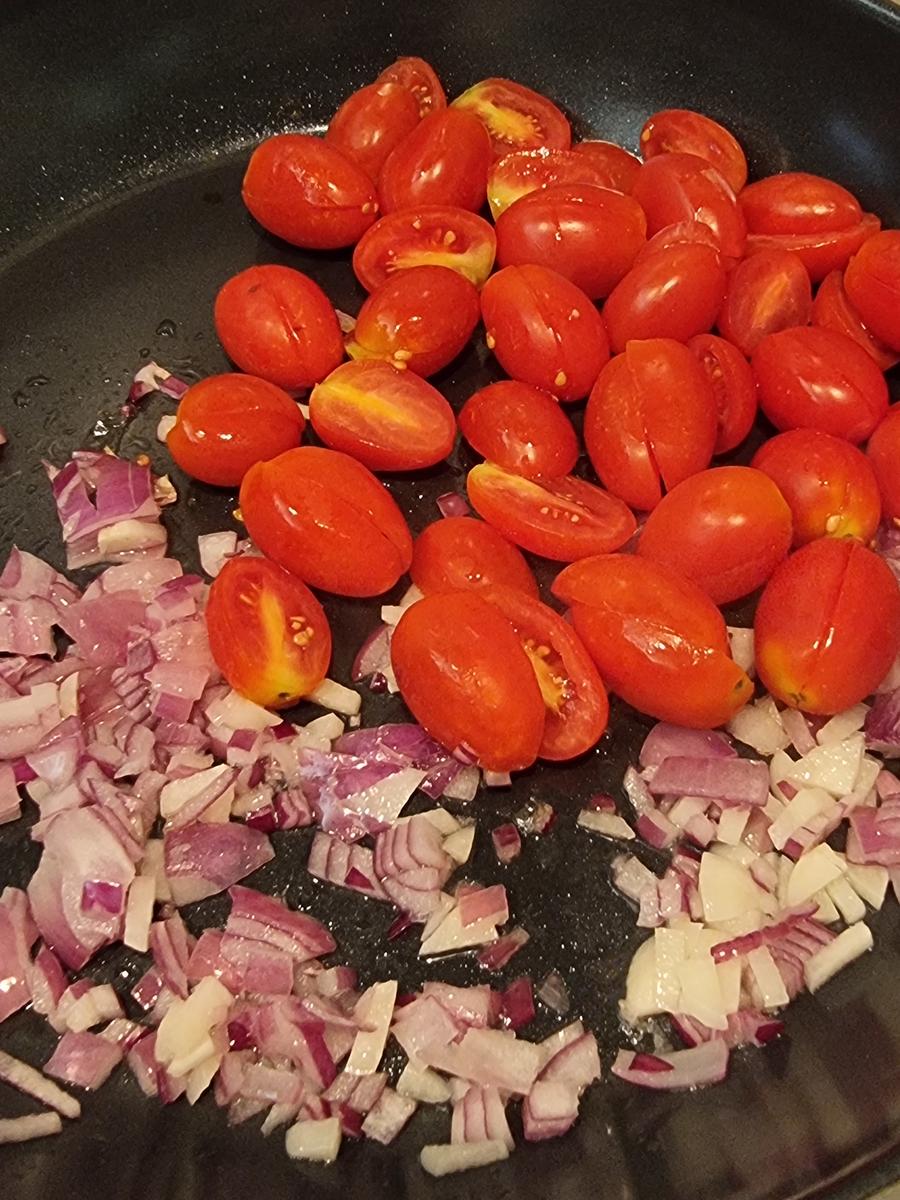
[[819, 252], [682, 233], [459, 554], [733, 385], [516, 117], [418, 77], [588, 234], [683, 131], [767, 292], [726, 529], [444, 160], [658, 641], [427, 236], [872, 281], [521, 428], [544, 330], [618, 168], [325, 518], [303, 190], [267, 632], [226, 423], [884, 455], [420, 319], [562, 519], [683, 187], [278, 324], [833, 309], [829, 485], [522, 172], [798, 203], [650, 421], [371, 122], [812, 378], [827, 626], [466, 679], [387, 419]]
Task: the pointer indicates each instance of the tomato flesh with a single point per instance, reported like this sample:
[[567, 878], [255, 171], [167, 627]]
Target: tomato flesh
[[523, 172], [683, 131], [427, 236], [766, 293], [515, 116], [418, 77], [521, 428], [458, 554], [371, 122], [444, 160], [733, 384], [819, 252], [884, 454], [873, 285]]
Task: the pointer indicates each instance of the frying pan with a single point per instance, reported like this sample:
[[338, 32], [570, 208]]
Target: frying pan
[[124, 131]]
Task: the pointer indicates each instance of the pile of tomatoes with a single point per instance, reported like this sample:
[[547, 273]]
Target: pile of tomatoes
[[613, 274]]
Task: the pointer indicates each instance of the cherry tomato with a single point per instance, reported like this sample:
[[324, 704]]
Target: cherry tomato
[[306, 192], [674, 293], [465, 678], [573, 693], [829, 485], [833, 309], [325, 518], [873, 285], [767, 292], [681, 234], [726, 529], [819, 252], [812, 378], [734, 387], [459, 554], [278, 324], [521, 428], [618, 168], [389, 420], [650, 421], [682, 131], [516, 117], [427, 236], [798, 203], [884, 454], [371, 122], [544, 330], [420, 319], [444, 160], [682, 187], [226, 423], [525, 171], [658, 641], [588, 234], [417, 77], [267, 632], [562, 519], [827, 626]]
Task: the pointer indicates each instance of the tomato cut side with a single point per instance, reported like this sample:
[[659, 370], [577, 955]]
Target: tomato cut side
[[427, 236], [515, 116], [733, 384], [522, 172], [420, 78], [833, 309]]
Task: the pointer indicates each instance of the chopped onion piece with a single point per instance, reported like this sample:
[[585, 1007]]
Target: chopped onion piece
[[388, 1116], [554, 994], [315, 1141], [507, 842], [164, 426], [84, 1059], [813, 872], [423, 1085], [757, 725], [26, 1129], [30, 1081], [447, 1159], [697, 1067], [451, 504], [335, 696], [850, 944], [609, 824], [767, 977], [869, 881], [216, 549], [373, 1011], [459, 844], [834, 767], [741, 642]]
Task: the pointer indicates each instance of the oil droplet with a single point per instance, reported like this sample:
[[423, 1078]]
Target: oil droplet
[[166, 328], [37, 380], [144, 352]]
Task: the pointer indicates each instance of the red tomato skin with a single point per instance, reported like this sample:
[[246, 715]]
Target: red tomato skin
[[325, 518], [833, 309], [682, 187], [278, 324], [884, 455], [521, 428], [418, 77], [827, 626], [796, 202], [371, 122], [727, 529], [733, 384], [820, 253], [828, 484], [226, 423], [683, 233], [465, 678], [872, 281], [544, 330], [812, 378], [516, 117], [618, 169], [590, 235], [683, 131], [522, 172], [459, 554], [307, 193], [431, 235], [766, 293], [444, 160]]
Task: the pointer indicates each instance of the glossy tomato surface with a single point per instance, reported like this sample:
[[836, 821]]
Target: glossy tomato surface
[[521, 428], [820, 253], [833, 309], [798, 203], [884, 455], [427, 236], [420, 78], [458, 554], [444, 160], [680, 234], [515, 116], [683, 187], [873, 285], [522, 172], [733, 384], [371, 122], [616, 168], [683, 131], [767, 292]]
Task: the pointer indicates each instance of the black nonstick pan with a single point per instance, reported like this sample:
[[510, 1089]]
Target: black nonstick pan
[[123, 132]]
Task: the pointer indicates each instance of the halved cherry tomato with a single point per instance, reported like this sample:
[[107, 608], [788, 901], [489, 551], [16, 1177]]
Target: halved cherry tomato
[[872, 281], [466, 679], [459, 554], [427, 236], [829, 485], [819, 252], [588, 234], [833, 309], [444, 160], [371, 122], [516, 117], [226, 423], [544, 330], [658, 641], [521, 428], [420, 319], [303, 190], [682, 187], [726, 529], [827, 626], [563, 519], [389, 420], [766, 292], [325, 518], [683, 131], [812, 378], [884, 454], [798, 203], [278, 324], [681, 234], [618, 168], [734, 387], [525, 171], [650, 421], [418, 77], [573, 693], [267, 632], [674, 293]]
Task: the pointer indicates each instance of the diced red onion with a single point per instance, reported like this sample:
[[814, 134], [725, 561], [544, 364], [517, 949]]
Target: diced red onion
[[451, 504], [696, 1067], [201, 860], [507, 842], [84, 1059], [554, 994], [672, 741]]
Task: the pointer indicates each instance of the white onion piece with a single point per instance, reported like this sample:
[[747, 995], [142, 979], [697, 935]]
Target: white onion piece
[[391, 613], [806, 804], [373, 1011], [182, 1040], [459, 844], [847, 900], [423, 1084], [726, 888], [608, 824], [216, 549], [451, 934], [28, 1079], [335, 696], [315, 1141], [701, 992], [139, 912], [26, 1129], [153, 866], [641, 985], [388, 1116], [756, 726], [826, 912], [731, 825], [670, 949], [165, 425], [464, 787], [447, 1159], [850, 944], [235, 711], [769, 982], [741, 642], [870, 881], [814, 871], [841, 726], [199, 1079], [834, 768]]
